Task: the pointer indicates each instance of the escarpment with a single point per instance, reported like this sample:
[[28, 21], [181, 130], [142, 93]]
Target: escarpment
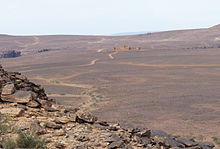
[[65, 127]]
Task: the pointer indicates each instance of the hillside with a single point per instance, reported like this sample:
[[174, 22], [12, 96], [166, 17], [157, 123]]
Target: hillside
[[171, 84], [29, 109]]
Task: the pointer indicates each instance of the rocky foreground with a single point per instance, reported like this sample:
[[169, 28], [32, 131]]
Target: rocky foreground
[[66, 127]]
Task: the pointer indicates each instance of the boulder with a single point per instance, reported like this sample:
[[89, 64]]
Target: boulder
[[59, 145], [52, 125], [62, 120], [14, 112], [164, 139], [142, 132], [187, 142], [8, 89], [45, 103], [159, 133], [117, 144], [49, 109], [19, 97], [86, 118], [206, 145], [82, 138], [21, 77], [33, 104]]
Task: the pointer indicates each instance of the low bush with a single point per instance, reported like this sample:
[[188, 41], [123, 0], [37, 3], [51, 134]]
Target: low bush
[[216, 140], [4, 125], [25, 140]]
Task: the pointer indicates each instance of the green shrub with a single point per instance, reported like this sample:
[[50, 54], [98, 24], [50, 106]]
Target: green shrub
[[173, 135], [216, 140], [9, 144], [4, 125], [25, 140]]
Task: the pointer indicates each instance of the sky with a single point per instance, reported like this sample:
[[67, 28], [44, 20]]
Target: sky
[[105, 17]]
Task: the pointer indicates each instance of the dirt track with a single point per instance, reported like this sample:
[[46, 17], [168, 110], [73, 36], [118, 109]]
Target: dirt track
[[111, 55], [93, 62]]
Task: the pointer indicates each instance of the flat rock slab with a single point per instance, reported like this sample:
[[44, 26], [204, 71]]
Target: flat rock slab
[[8, 89], [33, 104], [62, 120], [14, 112], [19, 97]]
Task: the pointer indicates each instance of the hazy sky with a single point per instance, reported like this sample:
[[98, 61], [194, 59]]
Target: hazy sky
[[22, 17]]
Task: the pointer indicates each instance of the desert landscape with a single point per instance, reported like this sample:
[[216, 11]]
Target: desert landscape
[[171, 82]]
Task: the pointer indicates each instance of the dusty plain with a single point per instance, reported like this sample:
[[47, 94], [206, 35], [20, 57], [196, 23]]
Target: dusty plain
[[172, 84]]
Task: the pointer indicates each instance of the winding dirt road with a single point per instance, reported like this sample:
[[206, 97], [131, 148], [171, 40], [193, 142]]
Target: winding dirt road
[[93, 62], [59, 82], [111, 55]]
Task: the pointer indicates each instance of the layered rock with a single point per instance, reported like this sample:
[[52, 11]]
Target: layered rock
[[16, 88], [65, 127]]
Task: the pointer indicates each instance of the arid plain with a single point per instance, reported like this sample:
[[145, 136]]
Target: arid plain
[[172, 83]]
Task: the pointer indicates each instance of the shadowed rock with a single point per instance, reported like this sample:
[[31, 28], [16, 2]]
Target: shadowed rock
[[19, 97]]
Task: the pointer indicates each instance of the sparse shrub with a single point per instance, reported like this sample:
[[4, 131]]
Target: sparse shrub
[[94, 105], [30, 140], [9, 144], [25, 140], [44, 50], [216, 140], [200, 137], [191, 136], [99, 96], [4, 125], [173, 135], [84, 93], [10, 54]]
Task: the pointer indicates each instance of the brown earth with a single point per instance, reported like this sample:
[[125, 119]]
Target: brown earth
[[171, 84]]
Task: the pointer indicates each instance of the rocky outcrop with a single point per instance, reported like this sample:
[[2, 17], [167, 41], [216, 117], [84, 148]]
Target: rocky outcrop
[[67, 127], [10, 54], [16, 88]]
